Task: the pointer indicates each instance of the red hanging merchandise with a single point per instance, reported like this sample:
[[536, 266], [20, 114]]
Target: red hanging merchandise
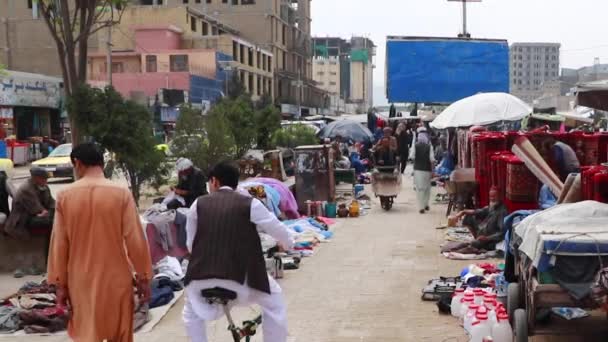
[[591, 146], [587, 180], [484, 146], [600, 181], [522, 186], [602, 155]]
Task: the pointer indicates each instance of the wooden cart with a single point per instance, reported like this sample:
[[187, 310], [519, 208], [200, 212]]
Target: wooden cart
[[527, 297]]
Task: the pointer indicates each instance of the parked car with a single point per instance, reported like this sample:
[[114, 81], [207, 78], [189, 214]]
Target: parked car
[[58, 164]]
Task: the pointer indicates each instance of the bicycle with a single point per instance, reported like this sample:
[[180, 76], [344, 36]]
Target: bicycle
[[221, 296]]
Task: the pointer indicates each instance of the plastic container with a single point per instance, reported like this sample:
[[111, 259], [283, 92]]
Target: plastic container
[[480, 328], [464, 306], [456, 302], [470, 317], [331, 210], [501, 330], [479, 295], [358, 189]]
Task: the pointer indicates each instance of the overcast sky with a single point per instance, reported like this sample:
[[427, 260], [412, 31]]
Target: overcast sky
[[579, 25]]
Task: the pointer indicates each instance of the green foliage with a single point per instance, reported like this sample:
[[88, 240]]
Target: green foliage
[[236, 87], [3, 70], [294, 136], [203, 139], [240, 114], [123, 128], [267, 121]]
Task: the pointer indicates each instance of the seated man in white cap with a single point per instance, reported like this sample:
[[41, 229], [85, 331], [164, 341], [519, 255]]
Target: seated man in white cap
[[192, 184]]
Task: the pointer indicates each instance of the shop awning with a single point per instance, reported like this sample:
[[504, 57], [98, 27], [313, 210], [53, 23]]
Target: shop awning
[[593, 94]]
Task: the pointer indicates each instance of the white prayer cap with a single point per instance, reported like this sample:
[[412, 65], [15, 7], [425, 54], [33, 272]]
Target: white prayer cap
[[183, 164]]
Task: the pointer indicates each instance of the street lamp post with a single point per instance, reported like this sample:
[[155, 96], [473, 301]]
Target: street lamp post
[[465, 34]]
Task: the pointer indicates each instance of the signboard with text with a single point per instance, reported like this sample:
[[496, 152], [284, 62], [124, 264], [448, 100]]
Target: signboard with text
[[29, 90]]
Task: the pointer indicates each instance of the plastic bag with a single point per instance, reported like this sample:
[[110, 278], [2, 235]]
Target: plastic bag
[[570, 313]]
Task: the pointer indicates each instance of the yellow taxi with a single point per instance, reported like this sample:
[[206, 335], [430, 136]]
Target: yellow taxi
[[58, 164]]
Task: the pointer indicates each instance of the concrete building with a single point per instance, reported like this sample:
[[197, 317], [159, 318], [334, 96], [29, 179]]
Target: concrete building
[[212, 49], [283, 28], [344, 68], [25, 42], [533, 64]]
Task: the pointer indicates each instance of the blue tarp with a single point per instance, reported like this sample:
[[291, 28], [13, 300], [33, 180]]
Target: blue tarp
[[443, 70]]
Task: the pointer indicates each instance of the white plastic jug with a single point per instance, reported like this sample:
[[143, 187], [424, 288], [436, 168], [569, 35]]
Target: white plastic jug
[[470, 317], [456, 302], [501, 331], [480, 328], [464, 305]]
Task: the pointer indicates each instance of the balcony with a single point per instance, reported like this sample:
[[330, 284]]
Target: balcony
[[146, 83]]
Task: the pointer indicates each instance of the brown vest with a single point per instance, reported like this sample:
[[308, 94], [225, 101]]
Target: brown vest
[[227, 245]]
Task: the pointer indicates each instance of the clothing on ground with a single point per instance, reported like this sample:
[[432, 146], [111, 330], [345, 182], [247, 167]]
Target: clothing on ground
[[97, 244]]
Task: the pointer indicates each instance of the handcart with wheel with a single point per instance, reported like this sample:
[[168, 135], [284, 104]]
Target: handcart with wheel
[[386, 184], [558, 253]]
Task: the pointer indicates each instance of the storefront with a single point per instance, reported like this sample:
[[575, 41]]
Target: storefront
[[30, 106]]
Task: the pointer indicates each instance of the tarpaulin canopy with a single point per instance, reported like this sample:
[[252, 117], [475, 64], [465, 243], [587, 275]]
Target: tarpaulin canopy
[[482, 109], [593, 94]]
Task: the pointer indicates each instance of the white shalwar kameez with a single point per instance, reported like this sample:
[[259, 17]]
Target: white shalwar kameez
[[274, 310]]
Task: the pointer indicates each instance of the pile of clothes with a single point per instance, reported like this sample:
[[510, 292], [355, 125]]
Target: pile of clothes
[[168, 278], [33, 308]]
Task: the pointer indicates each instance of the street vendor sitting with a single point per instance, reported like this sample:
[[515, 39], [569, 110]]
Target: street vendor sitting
[[486, 224], [191, 185], [32, 212]]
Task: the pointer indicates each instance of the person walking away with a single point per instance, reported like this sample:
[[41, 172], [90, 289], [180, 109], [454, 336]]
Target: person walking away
[[32, 214], [226, 252], [404, 142], [98, 252], [423, 170]]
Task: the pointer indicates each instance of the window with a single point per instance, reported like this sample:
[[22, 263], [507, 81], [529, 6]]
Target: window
[[29, 4], [214, 30], [185, 1], [224, 1], [208, 1], [554, 58], [283, 34], [258, 59], [269, 63], [259, 84], [242, 54], [332, 83], [333, 73], [250, 83], [193, 24], [248, 2], [117, 68], [178, 63], [235, 2], [235, 50], [151, 63], [205, 28], [264, 62], [320, 73], [250, 56]]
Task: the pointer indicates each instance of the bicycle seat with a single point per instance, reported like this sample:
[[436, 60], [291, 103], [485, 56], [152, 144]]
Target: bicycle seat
[[219, 293]]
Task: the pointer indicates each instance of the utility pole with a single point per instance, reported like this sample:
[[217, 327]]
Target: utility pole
[[465, 33], [109, 55]]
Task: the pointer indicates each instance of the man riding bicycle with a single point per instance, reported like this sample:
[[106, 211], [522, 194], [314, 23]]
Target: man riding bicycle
[[226, 253]]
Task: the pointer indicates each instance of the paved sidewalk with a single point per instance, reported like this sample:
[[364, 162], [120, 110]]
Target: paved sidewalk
[[363, 286]]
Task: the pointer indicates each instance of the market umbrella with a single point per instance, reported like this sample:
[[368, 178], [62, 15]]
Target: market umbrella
[[482, 109], [348, 129]]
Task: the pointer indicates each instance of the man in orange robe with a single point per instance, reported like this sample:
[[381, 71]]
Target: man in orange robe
[[98, 249]]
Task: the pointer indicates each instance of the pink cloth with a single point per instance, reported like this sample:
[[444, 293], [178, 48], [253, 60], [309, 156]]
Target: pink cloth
[[288, 204], [156, 250]]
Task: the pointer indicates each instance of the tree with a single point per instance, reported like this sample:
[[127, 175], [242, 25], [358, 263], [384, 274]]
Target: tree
[[267, 121], [3, 70], [124, 129], [205, 140], [294, 136], [236, 88], [240, 114], [71, 24]]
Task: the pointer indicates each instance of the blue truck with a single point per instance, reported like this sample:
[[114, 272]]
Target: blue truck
[[444, 70]]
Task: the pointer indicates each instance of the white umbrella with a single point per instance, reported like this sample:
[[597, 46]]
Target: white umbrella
[[482, 109]]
